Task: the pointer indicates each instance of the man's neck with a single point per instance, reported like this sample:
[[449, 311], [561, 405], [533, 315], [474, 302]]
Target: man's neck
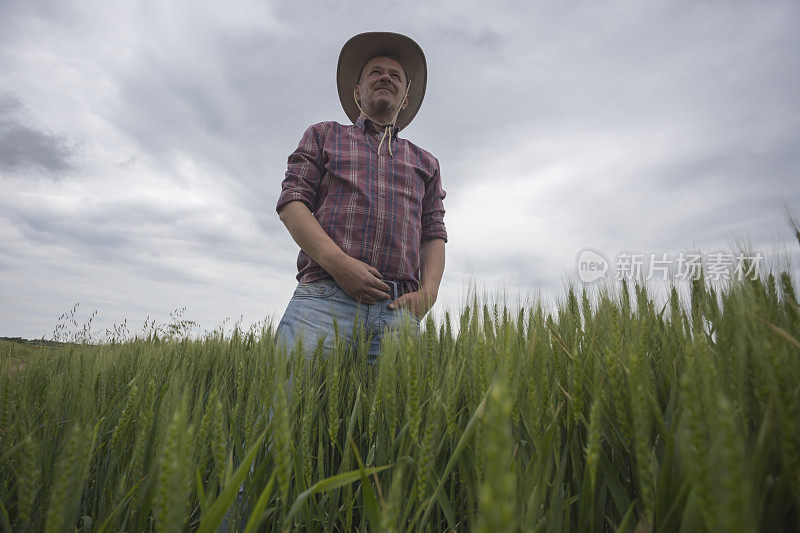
[[373, 127], [381, 121]]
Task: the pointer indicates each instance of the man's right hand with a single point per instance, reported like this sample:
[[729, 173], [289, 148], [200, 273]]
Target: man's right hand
[[360, 281]]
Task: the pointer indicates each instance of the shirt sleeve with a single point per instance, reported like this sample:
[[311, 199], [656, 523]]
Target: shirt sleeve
[[304, 170], [433, 207]]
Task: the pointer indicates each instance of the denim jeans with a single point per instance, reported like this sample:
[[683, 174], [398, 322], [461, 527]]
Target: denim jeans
[[315, 305]]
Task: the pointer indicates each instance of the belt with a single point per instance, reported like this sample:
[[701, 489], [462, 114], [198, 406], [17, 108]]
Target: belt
[[397, 288]]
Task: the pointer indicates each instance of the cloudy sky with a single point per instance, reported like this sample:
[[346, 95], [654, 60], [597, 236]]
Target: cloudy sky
[[143, 144]]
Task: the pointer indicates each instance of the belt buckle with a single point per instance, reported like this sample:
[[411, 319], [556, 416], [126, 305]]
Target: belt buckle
[[395, 290]]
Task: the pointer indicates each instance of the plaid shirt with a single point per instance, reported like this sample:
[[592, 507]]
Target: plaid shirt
[[377, 208]]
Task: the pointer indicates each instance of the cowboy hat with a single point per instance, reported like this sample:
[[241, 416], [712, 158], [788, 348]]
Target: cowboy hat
[[363, 47]]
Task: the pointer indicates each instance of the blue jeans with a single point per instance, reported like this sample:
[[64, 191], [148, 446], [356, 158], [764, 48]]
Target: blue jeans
[[314, 306]]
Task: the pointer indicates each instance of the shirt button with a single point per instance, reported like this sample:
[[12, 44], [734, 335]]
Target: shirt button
[[383, 195]]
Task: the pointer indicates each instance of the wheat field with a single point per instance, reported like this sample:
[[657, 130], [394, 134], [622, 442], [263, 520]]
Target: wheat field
[[613, 413]]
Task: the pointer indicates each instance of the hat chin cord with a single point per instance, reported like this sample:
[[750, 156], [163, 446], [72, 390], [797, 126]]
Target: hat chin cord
[[387, 127]]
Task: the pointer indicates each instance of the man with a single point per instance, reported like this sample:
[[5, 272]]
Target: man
[[365, 206]]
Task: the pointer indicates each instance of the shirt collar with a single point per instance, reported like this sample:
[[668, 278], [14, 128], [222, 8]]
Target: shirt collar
[[366, 124]]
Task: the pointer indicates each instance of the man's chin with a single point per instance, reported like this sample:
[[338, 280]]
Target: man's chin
[[382, 106]]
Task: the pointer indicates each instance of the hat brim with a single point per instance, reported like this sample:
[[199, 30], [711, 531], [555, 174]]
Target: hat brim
[[363, 47]]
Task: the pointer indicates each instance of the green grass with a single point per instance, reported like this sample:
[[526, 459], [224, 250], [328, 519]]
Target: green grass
[[612, 413]]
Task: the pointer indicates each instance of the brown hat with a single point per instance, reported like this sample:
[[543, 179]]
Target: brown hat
[[363, 47]]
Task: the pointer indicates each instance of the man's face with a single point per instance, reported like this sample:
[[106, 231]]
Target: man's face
[[382, 87]]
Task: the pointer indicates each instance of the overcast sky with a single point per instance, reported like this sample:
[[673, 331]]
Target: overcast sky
[[143, 144]]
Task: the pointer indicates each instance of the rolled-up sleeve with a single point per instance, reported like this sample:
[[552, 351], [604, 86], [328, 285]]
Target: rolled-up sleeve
[[305, 170], [433, 208]]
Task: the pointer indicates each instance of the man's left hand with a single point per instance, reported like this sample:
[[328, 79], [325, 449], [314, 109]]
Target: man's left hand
[[419, 302]]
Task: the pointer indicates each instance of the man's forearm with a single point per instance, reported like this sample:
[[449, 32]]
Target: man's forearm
[[310, 236], [431, 266]]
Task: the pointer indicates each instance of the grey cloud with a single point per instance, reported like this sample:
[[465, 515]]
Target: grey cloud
[[513, 269], [464, 35], [231, 122], [775, 169], [641, 70], [138, 234], [84, 246], [25, 148], [51, 11]]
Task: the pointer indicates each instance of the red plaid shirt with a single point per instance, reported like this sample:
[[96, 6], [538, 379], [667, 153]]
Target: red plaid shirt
[[377, 207]]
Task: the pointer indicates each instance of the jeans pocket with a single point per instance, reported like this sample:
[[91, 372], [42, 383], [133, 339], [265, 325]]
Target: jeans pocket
[[321, 288]]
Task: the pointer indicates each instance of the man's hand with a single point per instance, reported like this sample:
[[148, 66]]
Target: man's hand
[[432, 259], [360, 281], [357, 279], [419, 302]]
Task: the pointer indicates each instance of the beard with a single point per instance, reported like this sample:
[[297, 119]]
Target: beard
[[382, 106]]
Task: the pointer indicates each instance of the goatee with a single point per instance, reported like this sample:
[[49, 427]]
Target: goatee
[[382, 106]]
